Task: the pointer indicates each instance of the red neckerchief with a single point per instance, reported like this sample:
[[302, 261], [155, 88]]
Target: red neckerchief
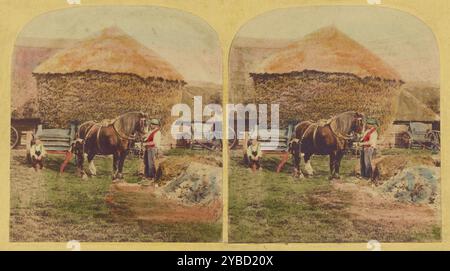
[[151, 136], [367, 136]]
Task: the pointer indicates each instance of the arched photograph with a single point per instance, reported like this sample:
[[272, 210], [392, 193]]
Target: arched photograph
[[355, 154], [95, 156]]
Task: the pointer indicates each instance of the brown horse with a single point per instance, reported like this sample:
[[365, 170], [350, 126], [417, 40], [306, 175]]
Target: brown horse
[[112, 138], [330, 138]]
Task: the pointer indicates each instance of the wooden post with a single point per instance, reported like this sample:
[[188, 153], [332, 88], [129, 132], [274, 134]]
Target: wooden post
[[29, 138]]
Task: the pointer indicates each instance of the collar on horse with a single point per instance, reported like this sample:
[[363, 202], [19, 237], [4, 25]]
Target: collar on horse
[[107, 123], [123, 135], [323, 123], [336, 133]]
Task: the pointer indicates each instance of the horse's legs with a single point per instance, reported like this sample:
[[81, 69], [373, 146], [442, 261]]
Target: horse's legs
[[340, 155], [80, 164], [335, 160], [115, 162], [308, 168], [296, 155], [92, 167], [332, 165], [122, 157]]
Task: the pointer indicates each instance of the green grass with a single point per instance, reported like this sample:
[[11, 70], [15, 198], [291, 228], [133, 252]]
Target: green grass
[[270, 207], [71, 208]]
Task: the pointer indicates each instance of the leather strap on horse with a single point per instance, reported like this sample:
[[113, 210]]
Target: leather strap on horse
[[98, 139], [314, 133], [88, 134], [339, 135], [120, 134]]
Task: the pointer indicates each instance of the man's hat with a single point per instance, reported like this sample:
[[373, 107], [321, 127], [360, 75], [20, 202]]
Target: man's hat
[[155, 122], [372, 121]]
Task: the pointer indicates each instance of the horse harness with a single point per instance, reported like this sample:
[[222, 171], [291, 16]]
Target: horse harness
[[106, 123], [316, 126]]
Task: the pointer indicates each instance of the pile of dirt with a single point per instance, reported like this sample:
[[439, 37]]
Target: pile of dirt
[[173, 167], [390, 165], [133, 202], [387, 166], [199, 183], [407, 178], [418, 184], [189, 191]]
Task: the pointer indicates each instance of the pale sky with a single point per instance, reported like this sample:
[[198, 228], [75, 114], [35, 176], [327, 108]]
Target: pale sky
[[400, 39], [182, 39]]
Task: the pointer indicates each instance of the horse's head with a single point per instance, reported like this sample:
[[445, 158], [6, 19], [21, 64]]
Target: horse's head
[[348, 124], [140, 125], [357, 123], [132, 123]]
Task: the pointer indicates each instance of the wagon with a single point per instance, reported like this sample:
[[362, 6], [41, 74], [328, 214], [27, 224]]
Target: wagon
[[281, 144], [24, 130], [212, 137], [421, 135], [21, 128], [56, 140]]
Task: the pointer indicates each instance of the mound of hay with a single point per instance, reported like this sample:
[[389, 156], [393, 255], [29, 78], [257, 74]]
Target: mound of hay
[[94, 95], [313, 95], [326, 73], [104, 76], [418, 184]]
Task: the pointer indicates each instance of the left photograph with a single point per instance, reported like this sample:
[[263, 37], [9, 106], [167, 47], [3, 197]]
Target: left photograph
[[102, 136]]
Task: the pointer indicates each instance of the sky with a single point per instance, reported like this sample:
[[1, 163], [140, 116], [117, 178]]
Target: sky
[[182, 39], [400, 39]]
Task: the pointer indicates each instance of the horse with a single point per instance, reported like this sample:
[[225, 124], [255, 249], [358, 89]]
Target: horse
[[108, 138], [330, 138]]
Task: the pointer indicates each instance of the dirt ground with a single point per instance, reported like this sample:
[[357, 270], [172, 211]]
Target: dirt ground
[[131, 201], [370, 205], [46, 207], [271, 207]]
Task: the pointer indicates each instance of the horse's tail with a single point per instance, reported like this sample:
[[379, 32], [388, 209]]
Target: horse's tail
[[80, 136], [295, 147]]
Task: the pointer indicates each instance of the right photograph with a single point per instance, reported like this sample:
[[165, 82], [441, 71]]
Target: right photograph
[[348, 149]]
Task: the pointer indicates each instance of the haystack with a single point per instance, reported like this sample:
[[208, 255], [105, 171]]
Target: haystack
[[324, 74], [103, 76]]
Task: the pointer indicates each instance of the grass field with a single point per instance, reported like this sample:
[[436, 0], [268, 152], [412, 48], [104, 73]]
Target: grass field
[[270, 207], [46, 207]]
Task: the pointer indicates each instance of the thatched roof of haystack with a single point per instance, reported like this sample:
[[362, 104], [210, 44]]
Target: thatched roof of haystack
[[412, 109], [111, 51], [328, 50]]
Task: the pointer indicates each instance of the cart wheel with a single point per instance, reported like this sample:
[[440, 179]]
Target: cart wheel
[[435, 141], [14, 139], [407, 140], [232, 142]]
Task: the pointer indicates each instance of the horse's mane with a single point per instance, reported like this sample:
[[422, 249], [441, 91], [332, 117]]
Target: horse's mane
[[126, 123], [342, 123]]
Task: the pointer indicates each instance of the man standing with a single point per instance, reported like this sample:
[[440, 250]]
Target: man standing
[[369, 145], [37, 153], [152, 144]]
